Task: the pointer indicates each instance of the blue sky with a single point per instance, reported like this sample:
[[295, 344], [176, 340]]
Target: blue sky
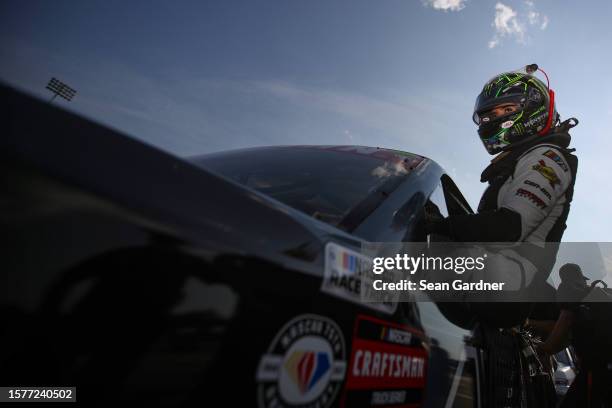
[[203, 76]]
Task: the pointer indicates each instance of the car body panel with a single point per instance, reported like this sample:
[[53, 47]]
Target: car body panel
[[130, 267]]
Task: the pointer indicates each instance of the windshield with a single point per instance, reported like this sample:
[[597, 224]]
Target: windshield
[[324, 182]]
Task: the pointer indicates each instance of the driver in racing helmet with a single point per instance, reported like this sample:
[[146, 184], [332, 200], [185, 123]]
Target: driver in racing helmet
[[530, 179]]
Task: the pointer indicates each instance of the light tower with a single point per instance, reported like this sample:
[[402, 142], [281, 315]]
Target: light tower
[[59, 88]]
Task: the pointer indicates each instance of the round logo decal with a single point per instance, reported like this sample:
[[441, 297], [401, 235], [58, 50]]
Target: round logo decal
[[507, 124], [304, 365]]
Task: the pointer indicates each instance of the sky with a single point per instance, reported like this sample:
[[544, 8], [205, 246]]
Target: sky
[[194, 77]]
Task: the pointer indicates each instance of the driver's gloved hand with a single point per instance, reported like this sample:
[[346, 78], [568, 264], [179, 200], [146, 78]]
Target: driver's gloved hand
[[433, 222], [438, 226], [432, 211]]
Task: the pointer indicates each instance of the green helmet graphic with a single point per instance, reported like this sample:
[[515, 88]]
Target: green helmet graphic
[[512, 107]]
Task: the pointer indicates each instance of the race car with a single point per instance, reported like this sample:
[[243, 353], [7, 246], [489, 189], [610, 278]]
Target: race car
[[226, 279]]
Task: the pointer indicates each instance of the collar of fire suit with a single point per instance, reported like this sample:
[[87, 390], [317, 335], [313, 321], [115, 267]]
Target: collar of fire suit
[[506, 161]]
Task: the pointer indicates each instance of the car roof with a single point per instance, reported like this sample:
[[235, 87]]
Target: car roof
[[366, 151]]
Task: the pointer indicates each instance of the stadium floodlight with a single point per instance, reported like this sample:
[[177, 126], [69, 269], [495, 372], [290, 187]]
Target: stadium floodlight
[[59, 88]]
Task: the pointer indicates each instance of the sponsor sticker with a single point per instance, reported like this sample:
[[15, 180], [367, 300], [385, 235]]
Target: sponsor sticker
[[538, 187], [521, 192], [551, 154], [388, 365], [348, 273], [548, 173], [507, 124], [304, 366], [536, 121]]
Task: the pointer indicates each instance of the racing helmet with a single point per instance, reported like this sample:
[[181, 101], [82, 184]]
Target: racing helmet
[[514, 107]]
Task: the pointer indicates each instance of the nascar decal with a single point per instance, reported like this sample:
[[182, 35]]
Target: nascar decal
[[304, 366], [521, 192], [548, 173], [388, 365], [346, 275], [555, 157]]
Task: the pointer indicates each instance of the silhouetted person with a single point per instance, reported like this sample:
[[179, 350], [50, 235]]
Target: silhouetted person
[[580, 324], [573, 287]]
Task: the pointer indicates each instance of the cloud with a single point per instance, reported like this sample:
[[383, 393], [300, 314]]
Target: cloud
[[388, 169], [506, 23], [509, 23], [534, 17], [445, 5]]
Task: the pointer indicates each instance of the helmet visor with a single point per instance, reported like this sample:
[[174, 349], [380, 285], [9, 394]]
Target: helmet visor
[[496, 112]]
